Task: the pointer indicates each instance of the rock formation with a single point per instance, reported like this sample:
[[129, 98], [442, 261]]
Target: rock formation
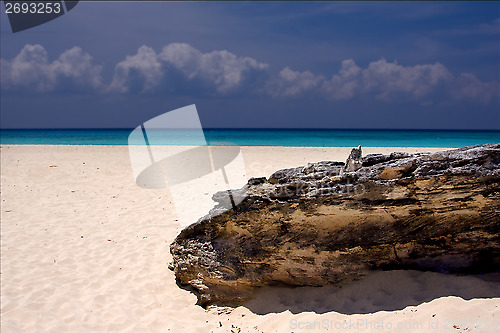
[[354, 161], [329, 223]]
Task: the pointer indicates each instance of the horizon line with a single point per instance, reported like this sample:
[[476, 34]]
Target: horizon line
[[262, 129]]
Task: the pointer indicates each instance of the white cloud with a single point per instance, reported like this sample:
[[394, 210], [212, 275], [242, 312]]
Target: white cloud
[[76, 66], [292, 83], [387, 81], [182, 56], [141, 71], [220, 70], [467, 86], [31, 69], [345, 84], [182, 68]]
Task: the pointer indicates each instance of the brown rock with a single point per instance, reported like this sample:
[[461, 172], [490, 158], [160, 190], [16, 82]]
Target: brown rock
[[435, 212]]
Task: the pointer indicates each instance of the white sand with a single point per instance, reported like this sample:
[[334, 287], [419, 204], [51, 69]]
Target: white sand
[[84, 249]]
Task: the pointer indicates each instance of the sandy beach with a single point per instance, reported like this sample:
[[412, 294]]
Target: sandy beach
[[84, 249]]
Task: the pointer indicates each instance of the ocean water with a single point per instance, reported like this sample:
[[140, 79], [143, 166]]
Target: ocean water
[[257, 137]]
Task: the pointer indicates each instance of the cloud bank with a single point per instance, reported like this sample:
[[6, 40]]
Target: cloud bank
[[30, 69], [388, 81], [219, 71], [181, 68]]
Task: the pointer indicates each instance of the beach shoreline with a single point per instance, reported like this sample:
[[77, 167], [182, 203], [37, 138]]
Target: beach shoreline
[[85, 249]]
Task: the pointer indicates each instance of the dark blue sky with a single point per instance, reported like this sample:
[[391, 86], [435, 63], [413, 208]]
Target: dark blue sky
[[278, 64]]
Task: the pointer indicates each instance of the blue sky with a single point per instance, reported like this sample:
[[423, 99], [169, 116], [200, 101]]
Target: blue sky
[[431, 65]]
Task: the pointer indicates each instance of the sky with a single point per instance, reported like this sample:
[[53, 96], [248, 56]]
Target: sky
[[388, 65]]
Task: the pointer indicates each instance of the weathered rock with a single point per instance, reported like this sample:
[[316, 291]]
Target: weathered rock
[[316, 226], [354, 162]]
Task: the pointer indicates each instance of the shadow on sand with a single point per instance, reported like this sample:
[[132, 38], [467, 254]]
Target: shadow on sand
[[380, 291]]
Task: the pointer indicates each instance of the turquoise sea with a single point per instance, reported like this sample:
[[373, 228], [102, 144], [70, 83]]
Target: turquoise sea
[[260, 137]]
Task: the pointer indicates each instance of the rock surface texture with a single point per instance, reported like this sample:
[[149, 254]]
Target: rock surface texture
[[331, 223]]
